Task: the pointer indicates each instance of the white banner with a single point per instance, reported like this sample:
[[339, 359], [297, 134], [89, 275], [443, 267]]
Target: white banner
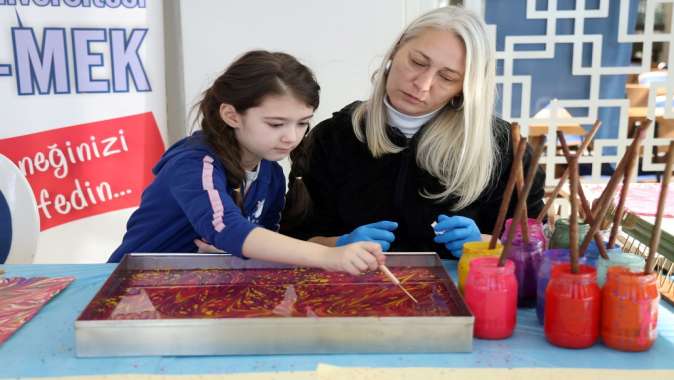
[[83, 115]]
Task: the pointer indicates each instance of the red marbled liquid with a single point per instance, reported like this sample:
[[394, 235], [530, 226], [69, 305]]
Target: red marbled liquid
[[297, 292]]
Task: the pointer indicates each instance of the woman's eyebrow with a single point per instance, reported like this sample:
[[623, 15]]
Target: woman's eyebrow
[[429, 58]]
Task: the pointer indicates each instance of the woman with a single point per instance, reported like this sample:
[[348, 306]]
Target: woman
[[425, 147]]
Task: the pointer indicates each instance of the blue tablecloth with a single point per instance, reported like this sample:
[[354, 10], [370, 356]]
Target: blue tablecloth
[[45, 346]]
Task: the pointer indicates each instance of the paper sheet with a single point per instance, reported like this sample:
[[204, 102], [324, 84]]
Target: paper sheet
[[21, 298], [329, 372]]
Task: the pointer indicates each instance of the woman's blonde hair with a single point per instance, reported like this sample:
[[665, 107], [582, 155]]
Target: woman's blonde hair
[[458, 146]]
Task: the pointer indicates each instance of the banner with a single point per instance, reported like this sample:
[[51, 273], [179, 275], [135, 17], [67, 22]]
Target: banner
[[83, 115]]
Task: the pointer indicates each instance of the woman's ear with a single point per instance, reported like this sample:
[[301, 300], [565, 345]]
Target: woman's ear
[[229, 115]]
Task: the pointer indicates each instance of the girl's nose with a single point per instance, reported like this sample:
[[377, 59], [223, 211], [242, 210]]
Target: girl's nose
[[290, 134]]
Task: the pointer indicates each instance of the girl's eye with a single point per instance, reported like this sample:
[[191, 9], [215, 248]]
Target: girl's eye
[[275, 125], [303, 125]]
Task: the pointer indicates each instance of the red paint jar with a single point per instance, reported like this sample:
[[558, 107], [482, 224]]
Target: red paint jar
[[572, 307], [629, 310], [491, 294]]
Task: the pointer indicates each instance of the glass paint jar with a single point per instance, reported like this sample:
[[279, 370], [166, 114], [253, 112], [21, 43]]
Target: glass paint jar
[[491, 294], [629, 310], [527, 259], [617, 258], [572, 307], [560, 236], [471, 251], [535, 231], [550, 258], [592, 253]]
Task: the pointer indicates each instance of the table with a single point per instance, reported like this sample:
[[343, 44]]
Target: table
[[569, 129], [641, 206], [45, 346], [641, 113], [540, 127], [664, 126]]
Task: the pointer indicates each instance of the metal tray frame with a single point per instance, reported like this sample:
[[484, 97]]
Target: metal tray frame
[[245, 336]]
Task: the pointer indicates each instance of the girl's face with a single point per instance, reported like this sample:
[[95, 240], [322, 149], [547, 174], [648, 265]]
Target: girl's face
[[426, 72], [271, 130]]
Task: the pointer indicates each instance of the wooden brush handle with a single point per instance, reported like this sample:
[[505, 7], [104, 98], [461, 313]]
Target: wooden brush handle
[[388, 274]]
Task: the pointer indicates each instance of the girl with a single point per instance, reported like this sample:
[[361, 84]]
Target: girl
[[222, 184]]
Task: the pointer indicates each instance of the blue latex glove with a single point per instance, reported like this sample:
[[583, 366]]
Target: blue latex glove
[[379, 232], [454, 231]]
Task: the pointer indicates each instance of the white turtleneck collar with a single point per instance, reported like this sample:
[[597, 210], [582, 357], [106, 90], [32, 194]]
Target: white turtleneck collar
[[406, 124]]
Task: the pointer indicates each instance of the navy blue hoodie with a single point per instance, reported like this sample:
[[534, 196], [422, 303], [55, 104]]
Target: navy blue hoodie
[[190, 199]]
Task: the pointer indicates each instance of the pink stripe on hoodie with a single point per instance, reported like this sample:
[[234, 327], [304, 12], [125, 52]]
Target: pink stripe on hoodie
[[213, 196]]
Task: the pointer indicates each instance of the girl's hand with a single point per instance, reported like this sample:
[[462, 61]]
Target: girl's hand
[[355, 258], [205, 247]]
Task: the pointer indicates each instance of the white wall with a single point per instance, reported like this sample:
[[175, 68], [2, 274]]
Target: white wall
[[342, 41]]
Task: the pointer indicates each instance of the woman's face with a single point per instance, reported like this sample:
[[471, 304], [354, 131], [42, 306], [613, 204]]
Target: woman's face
[[426, 72]]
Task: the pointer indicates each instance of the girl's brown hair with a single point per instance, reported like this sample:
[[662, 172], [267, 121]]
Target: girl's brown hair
[[245, 84], [298, 201]]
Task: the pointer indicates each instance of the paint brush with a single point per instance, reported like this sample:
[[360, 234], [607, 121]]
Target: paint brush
[[505, 202], [519, 181], [608, 193], [655, 237], [521, 202], [629, 176], [573, 220], [395, 280], [565, 175], [584, 202]]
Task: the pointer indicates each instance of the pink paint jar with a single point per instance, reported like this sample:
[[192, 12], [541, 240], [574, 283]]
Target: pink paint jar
[[491, 294]]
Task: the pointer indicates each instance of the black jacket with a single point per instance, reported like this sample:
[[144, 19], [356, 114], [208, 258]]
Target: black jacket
[[349, 187]]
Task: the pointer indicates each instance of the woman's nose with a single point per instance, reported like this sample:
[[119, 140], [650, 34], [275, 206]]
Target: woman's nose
[[424, 81]]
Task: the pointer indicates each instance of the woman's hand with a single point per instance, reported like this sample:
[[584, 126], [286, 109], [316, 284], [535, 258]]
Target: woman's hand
[[453, 232], [379, 232]]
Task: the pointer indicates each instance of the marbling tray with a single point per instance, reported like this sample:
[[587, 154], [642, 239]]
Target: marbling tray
[[206, 304]]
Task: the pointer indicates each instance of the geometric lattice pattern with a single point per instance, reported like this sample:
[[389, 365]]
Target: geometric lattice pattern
[[543, 47]]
